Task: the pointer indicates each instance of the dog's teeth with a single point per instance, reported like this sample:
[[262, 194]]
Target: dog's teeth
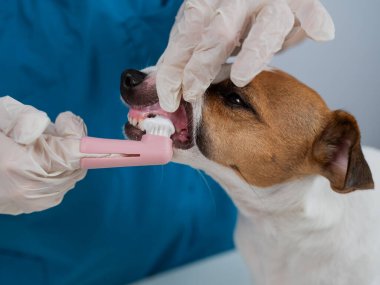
[[158, 126], [139, 124]]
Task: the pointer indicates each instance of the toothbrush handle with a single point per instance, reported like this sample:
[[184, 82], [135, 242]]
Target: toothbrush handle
[[151, 150]]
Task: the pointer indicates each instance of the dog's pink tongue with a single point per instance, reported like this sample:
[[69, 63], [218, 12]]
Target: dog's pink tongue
[[178, 118]]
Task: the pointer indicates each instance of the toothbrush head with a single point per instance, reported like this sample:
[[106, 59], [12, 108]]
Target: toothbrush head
[[158, 126]]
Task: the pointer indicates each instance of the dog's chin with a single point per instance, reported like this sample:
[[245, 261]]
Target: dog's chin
[[182, 120]]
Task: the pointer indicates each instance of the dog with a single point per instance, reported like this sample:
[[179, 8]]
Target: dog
[[309, 212]]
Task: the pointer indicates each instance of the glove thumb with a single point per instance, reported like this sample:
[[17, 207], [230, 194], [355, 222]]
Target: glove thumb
[[69, 125], [22, 123], [61, 144]]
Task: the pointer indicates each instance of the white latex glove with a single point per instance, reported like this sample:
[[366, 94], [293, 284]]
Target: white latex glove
[[39, 161], [207, 32]]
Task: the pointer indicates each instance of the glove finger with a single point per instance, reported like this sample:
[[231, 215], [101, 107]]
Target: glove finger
[[223, 74], [51, 184], [295, 37], [217, 43], [52, 194], [58, 150], [174, 30], [68, 124], [266, 37], [22, 123], [56, 155], [35, 189], [314, 19], [34, 201], [178, 18], [184, 37]]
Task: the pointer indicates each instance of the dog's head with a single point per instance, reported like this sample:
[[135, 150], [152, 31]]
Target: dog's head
[[272, 131]]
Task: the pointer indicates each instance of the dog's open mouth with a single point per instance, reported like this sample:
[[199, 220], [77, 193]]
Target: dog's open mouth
[[181, 119]]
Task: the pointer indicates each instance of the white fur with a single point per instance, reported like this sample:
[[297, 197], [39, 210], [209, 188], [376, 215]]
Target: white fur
[[302, 232]]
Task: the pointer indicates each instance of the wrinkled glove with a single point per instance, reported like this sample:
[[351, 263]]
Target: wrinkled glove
[[39, 161], [207, 32]]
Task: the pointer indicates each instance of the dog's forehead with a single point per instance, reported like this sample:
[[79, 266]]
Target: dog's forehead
[[282, 102], [281, 90]]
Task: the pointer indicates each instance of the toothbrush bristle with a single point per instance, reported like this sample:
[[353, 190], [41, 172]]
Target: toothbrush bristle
[[158, 126]]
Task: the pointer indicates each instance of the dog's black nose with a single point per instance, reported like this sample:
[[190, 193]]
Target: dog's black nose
[[131, 78]]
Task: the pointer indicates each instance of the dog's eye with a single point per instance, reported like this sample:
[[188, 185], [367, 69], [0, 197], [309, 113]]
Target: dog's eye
[[234, 100]]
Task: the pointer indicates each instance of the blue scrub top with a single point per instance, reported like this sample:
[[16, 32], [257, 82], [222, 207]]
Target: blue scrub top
[[117, 225]]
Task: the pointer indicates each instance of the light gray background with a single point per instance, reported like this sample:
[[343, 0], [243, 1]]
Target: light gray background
[[346, 71]]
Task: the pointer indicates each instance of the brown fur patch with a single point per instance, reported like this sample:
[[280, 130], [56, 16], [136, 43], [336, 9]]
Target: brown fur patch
[[265, 130]]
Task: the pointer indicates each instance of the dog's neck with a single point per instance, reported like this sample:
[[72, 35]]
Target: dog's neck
[[309, 200], [302, 200]]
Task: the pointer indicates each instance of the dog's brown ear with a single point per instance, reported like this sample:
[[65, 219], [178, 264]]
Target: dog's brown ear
[[338, 153]]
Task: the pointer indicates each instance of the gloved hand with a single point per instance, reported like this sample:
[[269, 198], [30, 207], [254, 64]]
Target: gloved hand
[[207, 32], [39, 161]]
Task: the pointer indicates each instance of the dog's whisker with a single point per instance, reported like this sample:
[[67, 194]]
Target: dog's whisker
[[208, 187]]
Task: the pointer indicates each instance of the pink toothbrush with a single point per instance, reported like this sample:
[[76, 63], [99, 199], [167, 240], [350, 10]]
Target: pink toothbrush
[[155, 147]]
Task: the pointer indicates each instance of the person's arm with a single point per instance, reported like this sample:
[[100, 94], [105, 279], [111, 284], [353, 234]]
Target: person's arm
[[207, 32]]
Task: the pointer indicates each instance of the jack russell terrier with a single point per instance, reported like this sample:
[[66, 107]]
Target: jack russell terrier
[[294, 169]]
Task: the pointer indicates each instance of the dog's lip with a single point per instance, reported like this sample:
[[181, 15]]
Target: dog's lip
[[181, 119]]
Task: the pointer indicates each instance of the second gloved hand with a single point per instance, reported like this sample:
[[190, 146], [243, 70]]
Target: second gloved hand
[[39, 160], [207, 32]]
